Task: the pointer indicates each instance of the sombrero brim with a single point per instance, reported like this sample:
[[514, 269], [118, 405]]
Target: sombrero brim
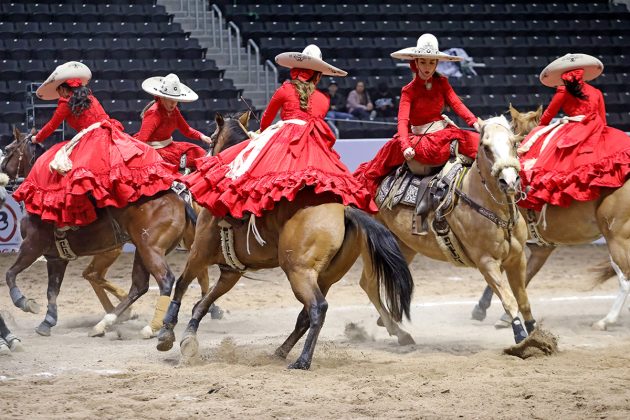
[[303, 61], [411, 53], [71, 70], [152, 86], [552, 74]]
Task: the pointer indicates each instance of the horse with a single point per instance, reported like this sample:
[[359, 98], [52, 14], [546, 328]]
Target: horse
[[581, 222], [148, 224], [314, 239], [485, 223]]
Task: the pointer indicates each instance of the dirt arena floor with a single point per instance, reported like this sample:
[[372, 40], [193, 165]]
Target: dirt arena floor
[[456, 369]]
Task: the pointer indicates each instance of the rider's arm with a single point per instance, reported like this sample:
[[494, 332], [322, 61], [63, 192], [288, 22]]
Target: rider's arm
[[554, 106], [150, 123], [403, 117], [61, 113], [274, 106], [184, 128], [456, 104]]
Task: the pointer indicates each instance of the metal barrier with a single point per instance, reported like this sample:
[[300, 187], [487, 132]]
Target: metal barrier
[[274, 69], [232, 27], [252, 45]]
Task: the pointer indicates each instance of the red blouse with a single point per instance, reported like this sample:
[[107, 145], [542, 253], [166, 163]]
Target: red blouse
[[94, 113], [572, 106], [286, 97], [420, 106], [159, 124]]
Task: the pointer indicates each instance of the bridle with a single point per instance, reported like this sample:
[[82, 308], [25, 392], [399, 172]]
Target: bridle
[[19, 148]]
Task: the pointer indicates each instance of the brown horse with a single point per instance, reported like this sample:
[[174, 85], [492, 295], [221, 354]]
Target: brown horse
[[148, 223], [313, 239], [580, 223], [480, 222]]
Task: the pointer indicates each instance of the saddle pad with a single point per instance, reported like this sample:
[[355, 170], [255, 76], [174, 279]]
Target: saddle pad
[[403, 189]]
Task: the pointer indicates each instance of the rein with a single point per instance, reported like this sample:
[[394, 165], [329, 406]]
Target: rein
[[20, 149]]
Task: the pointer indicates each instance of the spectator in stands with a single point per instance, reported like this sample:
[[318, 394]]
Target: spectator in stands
[[573, 158], [359, 103], [161, 117], [337, 109], [384, 101], [108, 166], [296, 152], [420, 111]]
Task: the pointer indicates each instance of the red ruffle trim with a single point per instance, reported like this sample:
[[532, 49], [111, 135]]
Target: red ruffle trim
[[582, 184], [223, 196], [70, 205]]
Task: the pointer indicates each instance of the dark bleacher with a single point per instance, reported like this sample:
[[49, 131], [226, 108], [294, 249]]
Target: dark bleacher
[[122, 44], [514, 39]]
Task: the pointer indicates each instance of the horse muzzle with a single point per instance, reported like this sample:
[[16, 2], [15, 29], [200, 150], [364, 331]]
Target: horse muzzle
[[509, 181]]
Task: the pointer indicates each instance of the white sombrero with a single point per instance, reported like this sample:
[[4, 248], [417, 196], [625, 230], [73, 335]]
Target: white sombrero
[[169, 87], [427, 47], [552, 74], [70, 70], [310, 58]]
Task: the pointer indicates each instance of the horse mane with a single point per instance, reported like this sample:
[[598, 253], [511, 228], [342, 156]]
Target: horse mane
[[235, 134], [500, 120]]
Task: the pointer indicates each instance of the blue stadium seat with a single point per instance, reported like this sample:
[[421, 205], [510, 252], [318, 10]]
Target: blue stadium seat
[[126, 88]]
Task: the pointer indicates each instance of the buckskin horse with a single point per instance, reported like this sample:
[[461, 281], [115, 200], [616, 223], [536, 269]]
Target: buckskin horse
[[148, 224], [581, 222], [487, 232], [313, 239]]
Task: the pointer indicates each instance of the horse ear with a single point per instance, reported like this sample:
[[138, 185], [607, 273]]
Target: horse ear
[[244, 118], [513, 112], [16, 132], [218, 118], [539, 110]]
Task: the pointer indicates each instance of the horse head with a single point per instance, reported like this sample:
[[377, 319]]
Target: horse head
[[497, 157], [524, 122], [231, 130], [19, 156]]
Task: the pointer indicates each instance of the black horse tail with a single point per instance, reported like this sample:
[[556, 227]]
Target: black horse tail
[[388, 264], [190, 213]]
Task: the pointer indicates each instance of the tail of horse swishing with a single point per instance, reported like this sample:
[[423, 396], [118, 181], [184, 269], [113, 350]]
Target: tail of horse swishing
[[581, 222], [312, 239], [484, 222], [16, 164]]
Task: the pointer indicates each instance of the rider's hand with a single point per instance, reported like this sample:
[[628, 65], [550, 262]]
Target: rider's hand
[[477, 127], [409, 153], [206, 139]]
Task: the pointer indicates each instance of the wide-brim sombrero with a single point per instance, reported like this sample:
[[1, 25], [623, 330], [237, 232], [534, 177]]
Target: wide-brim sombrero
[[552, 74], [169, 87], [70, 70], [310, 58]]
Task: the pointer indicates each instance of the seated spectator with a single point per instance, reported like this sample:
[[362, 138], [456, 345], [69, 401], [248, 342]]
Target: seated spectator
[[337, 109], [384, 101], [359, 103]]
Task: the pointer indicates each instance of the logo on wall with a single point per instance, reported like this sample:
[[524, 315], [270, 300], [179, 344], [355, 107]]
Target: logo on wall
[[10, 215]]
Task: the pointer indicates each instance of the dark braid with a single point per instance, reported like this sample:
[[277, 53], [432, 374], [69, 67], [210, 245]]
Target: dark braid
[[80, 99], [575, 89]]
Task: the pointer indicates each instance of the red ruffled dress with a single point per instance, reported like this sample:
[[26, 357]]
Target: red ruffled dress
[[579, 159], [158, 125], [253, 176], [420, 107], [109, 168]]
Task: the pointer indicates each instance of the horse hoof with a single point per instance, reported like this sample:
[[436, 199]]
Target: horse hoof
[[406, 340], [503, 322], [15, 344], [478, 313], [166, 338], [4, 347], [147, 332], [379, 322], [600, 325], [189, 346], [96, 333], [280, 354], [43, 329], [31, 306], [300, 364]]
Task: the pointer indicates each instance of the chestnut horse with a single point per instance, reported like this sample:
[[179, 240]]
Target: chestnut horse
[[484, 220], [314, 239], [582, 222], [153, 236]]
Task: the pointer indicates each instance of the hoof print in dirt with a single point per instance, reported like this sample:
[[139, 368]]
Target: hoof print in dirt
[[539, 343]]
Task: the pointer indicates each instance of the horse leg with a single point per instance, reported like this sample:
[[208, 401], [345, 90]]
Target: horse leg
[[31, 249], [622, 294], [13, 343], [204, 283], [139, 286], [491, 271], [515, 269], [369, 284], [537, 258], [95, 274], [189, 344], [56, 269]]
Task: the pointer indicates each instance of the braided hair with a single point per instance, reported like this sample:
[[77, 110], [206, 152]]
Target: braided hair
[[79, 100]]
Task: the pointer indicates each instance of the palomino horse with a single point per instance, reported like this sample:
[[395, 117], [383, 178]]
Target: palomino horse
[[17, 163], [147, 223], [580, 223], [315, 242], [480, 223]]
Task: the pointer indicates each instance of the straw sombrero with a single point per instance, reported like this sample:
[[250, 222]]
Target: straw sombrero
[[169, 87], [310, 58], [426, 47], [70, 70], [552, 74]]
